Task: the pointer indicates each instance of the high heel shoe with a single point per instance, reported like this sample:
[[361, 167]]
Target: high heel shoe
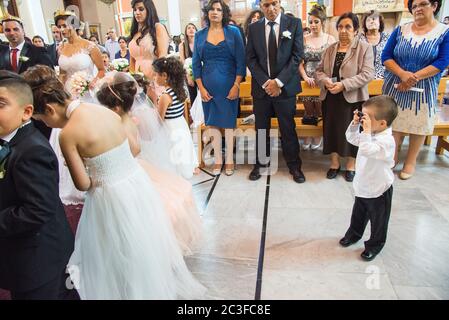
[[217, 169], [316, 146], [405, 176], [229, 170], [306, 146]]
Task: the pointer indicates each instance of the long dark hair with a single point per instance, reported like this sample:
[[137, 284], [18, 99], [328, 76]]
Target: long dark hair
[[150, 22], [224, 7], [187, 51], [250, 17], [175, 72]]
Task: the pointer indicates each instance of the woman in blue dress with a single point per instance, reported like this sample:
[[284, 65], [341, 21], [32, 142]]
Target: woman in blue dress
[[218, 68], [415, 56]]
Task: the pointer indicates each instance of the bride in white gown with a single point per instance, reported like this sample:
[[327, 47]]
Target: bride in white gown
[[75, 55], [125, 246]]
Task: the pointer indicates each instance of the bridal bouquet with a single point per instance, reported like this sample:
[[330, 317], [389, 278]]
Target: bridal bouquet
[[79, 84], [188, 68], [120, 64]]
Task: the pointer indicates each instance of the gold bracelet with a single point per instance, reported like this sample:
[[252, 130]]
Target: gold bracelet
[[237, 84]]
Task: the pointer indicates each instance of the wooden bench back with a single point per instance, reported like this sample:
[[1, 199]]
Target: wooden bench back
[[374, 88]]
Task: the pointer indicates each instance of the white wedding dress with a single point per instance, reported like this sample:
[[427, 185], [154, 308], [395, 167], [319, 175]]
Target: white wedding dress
[[80, 61], [125, 246]]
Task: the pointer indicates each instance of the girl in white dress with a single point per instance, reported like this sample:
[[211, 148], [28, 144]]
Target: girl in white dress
[[125, 247], [169, 72]]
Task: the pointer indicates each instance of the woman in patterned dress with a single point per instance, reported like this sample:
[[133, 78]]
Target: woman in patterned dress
[[314, 45], [373, 33], [414, 57]]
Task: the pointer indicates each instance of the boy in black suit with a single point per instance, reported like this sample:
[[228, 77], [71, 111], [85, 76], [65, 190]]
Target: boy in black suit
[[35, 238]]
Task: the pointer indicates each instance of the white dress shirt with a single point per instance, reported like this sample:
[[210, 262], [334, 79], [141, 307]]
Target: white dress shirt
[[374, 163], [277, 28], [20, 48], [112, 47]]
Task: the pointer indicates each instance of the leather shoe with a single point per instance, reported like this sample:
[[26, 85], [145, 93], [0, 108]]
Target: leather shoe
[[368, 255], [255, 174], [332, 173], [345, 242], [349, 175], [298, 176]]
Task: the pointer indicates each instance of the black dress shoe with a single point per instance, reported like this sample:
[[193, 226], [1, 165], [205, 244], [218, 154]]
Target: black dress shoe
[[345, 242], [368, 255], [333, 173], [349, 175], [298, 176], [255, 174]]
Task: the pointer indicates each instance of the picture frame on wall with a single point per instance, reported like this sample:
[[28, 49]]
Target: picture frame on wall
[[95, 30]]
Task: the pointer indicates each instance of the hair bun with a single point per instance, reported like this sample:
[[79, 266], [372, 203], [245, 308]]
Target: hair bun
[[39, 75], [319, 7]]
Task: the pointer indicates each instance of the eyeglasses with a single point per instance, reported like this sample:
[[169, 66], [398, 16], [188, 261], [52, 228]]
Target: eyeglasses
[[421, 5]]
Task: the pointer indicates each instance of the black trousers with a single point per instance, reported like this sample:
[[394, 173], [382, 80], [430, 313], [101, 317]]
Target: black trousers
[[53, 290], [377, 211], [284, 110]]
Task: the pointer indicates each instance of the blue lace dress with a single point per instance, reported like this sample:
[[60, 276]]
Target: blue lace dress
[[218, 76]]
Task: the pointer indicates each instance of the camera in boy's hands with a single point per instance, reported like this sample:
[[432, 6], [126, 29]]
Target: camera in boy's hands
[[360, 115]]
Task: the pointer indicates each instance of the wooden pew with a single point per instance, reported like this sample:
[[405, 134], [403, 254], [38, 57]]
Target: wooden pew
[[374, 89]]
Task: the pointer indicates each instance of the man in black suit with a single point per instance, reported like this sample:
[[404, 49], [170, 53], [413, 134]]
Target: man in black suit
[[18, 56], [53, 48], [274, 51], [35, 238]]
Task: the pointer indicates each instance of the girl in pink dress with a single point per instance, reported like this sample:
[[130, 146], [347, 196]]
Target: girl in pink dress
[[149, 142], [150, 40]]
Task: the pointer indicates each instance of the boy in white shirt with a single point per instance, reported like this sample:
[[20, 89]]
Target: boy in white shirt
[[373, 183]]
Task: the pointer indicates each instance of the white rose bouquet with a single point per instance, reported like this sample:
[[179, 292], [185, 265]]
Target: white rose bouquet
[[78, 84], [120, 64], [188, 68]]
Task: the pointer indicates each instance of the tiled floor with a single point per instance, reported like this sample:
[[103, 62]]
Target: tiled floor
[[301, 255]]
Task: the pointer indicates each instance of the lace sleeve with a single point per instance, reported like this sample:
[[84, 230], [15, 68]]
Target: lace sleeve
[[90, 47]]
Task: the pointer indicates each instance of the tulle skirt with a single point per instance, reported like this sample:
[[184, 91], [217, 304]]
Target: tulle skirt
[[182, 150], [125, 245], [177, 197]]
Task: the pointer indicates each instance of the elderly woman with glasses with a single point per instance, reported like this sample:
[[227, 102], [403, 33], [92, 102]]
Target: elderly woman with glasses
[[415, 56]]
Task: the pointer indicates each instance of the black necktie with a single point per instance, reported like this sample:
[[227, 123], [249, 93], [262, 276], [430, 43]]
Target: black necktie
[[272, 49], [4, 151]]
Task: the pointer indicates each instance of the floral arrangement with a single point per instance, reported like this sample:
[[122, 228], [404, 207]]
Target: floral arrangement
[[120, 64], [79, 84], [188, 68]]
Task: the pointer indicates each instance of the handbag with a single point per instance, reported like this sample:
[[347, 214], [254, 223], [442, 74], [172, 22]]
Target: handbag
[[310, 120]]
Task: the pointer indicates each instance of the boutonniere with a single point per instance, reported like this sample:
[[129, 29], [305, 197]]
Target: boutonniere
[[2, 170], [286, 34], [4, 153], [23, 59]]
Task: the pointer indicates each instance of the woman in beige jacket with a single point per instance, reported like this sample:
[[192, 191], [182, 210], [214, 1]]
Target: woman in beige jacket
[[343, 74]]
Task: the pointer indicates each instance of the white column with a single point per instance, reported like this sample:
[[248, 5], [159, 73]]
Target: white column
[[174, 17], [32, 15]]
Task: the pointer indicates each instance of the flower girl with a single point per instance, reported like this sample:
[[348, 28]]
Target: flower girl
[[119, 92], [169, 73]]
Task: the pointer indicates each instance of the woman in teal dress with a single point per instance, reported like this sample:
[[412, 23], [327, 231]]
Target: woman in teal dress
[[218, 67]]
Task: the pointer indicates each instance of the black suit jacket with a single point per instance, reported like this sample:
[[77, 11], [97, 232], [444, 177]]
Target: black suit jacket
[[53, 53], [35, 238], [36, 55], [290, 54]]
